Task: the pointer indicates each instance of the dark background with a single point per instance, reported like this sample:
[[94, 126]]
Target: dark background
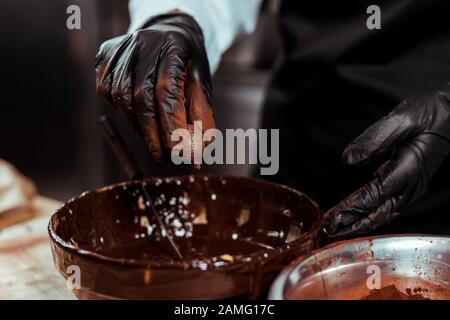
[[49, 107]]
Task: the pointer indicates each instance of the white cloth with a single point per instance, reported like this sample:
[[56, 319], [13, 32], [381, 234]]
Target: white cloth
[[221, 20]]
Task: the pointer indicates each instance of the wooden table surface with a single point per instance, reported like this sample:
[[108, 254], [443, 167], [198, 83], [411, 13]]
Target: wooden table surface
[[26, 263]]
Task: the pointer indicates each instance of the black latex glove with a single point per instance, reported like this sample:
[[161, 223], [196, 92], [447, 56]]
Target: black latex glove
[[158, 77], [417, 133]]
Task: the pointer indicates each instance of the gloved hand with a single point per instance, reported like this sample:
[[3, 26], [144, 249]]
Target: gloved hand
[[158, 77], [417, 133]]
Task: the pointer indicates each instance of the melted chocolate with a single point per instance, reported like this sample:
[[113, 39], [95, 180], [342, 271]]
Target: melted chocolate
[[235, 234], [222, 251]]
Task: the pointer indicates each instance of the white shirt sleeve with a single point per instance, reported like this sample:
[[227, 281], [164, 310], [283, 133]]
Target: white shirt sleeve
[[221, 20]]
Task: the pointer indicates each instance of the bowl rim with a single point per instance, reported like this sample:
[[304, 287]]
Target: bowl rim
[[278, 287], [270, 254]]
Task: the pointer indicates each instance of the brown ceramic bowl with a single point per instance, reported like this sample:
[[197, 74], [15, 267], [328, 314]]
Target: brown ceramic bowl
[[111, 236]]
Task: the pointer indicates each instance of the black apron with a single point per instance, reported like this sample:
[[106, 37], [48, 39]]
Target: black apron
[[338, 77]]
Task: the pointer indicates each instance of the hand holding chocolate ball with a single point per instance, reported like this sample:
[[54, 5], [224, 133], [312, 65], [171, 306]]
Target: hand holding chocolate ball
[[417, 133], [158, 77]]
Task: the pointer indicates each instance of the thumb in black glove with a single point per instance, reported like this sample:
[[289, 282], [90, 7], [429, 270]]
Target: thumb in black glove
[[417, 133], [158, 77]]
